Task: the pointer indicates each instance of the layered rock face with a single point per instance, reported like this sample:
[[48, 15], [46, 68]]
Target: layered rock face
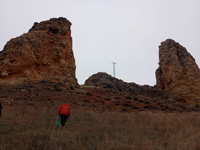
[[104, 80], [44, 53], [178, 74]]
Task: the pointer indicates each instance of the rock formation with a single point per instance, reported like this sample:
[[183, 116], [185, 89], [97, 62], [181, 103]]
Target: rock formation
[[178, 75], [44, 53], [104, 80]]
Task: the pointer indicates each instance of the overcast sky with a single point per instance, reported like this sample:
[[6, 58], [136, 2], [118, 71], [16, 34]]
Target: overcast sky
[[127, 32]]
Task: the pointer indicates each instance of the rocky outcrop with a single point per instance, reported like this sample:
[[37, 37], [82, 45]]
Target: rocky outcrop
[[178, 75], [44, 53], [107, 81]]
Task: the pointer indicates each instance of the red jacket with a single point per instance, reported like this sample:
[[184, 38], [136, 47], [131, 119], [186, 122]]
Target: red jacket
[[64, 110]]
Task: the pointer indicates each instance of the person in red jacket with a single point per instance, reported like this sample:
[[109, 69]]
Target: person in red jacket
[[64, 113]]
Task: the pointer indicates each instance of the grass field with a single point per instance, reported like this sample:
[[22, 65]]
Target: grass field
[[34, 128]]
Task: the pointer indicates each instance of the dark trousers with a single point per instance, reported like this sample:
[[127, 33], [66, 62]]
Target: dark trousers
[[0, 113], [63, 119]]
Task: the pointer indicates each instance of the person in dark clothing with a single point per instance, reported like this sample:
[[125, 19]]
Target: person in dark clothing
[[64, 113], [63, 120], [0, 109]]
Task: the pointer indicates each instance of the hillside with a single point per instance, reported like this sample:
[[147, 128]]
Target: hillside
[[32, 125], [37, 75], [89, 97], [40, 66]]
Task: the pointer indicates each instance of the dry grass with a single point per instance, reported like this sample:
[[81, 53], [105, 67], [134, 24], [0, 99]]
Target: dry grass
[[30, 128]]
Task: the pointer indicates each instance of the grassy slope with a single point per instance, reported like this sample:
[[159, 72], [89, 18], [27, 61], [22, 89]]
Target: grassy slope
[[31, 127]]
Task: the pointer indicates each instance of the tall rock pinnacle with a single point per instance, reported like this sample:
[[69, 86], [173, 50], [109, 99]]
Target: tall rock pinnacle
[[44, 53], [178, 74]]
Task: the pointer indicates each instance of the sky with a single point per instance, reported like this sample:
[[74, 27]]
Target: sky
[[127, 32]]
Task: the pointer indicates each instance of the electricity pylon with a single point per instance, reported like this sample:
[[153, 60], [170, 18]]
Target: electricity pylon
[[113, 68]]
